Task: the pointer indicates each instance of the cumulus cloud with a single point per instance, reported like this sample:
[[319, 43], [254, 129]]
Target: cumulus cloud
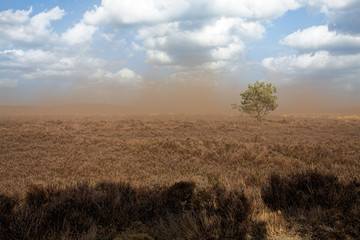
[[17, 17], [17, 27], [18, 59], [108, 36], [171, 31], [346, 19], [342, 15], [135, 11], [224, 30], [123, 76], [305, 63], [328, 53], [39, 64], [255, 9], [187, 45], [320, 38], [329, 4], [325, 72], [335, 75], [190, 33], [127, 74], [185, 38], [157, 11], [157, 57], [230, 52], [79, 33]]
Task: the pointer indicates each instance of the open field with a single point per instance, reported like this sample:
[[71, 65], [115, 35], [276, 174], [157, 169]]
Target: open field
[[286, 178]]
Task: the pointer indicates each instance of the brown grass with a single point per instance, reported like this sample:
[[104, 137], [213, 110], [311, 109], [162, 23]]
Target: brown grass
[[152, 153]]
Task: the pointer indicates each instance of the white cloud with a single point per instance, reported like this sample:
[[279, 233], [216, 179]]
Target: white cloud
[[225, 30], [346, 19], [200, 37], [42, 20], [305, 63], [108, 37], [335, 73], [158, 57], [79, 33], [157, 11], [19, 27], [253, 9], [48, 65], [76, 68], [231, 52], [328, 54], [219, 32], [17, 17], [342, 16], [214, 66], [135, 11], [182, 44], [213, 30], [124, 75], [155, 35], [17, 58], [330, 4], [320, 38], [136, 47]]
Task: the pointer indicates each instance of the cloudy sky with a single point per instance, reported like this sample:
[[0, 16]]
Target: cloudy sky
[[61, 49]]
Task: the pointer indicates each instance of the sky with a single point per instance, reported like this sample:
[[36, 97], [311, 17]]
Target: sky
[[199, 53]]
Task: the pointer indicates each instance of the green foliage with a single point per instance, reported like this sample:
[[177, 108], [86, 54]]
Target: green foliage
[[258, 100]]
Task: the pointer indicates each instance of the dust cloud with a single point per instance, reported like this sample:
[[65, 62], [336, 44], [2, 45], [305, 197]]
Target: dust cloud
[[311, 100], [176, 98]]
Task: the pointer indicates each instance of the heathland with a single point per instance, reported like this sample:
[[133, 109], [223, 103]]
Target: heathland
[[179, 177]]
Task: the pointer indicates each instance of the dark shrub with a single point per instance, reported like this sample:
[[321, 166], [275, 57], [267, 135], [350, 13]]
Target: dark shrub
[[178, 196], [108, 209], [331, 208], [36, 196], [151, 204], [6, 211], [308, 190], [118, 204]]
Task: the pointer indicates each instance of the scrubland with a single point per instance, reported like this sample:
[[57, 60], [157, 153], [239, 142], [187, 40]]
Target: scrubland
[[179, 177]]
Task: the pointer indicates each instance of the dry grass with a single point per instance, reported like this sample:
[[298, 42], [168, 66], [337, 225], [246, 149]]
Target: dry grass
[[151, 152]]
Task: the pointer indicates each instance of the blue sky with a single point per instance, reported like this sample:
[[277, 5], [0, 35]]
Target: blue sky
[[88, 51]]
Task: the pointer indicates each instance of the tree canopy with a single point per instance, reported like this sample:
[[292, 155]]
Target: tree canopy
[[258, 100]]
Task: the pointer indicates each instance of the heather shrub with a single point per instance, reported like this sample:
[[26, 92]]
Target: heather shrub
[[6, 211], [330, 208], [107, 210]]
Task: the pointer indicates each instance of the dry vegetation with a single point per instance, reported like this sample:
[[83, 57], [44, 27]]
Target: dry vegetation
[[179, 177]]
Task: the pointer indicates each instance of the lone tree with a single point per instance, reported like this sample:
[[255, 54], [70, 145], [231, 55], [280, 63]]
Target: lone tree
[[258, 100]]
